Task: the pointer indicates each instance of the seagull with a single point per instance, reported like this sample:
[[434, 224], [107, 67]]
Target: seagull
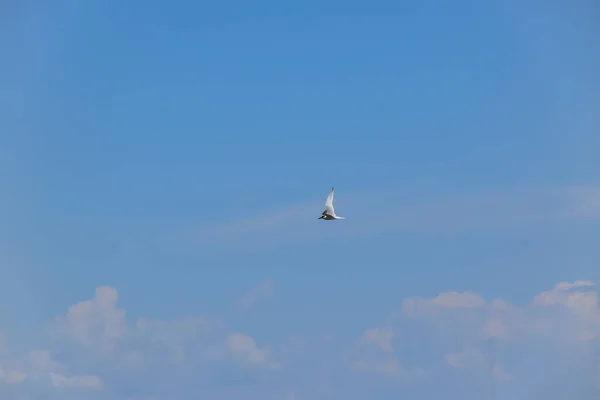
[[329, 213]]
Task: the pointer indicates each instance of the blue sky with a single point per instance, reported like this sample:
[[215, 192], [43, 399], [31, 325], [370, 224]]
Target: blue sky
[[164, 165]]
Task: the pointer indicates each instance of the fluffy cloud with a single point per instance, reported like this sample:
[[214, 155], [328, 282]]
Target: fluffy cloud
[[565, 314], [457, 344], [469, 346], [550, 341], [381, 337], [97, 322], [96, 351]]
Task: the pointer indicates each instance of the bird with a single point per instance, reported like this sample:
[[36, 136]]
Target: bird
[[329, 213]]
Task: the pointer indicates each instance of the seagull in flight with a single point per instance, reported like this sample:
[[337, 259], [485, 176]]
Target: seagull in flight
[[329, 213]]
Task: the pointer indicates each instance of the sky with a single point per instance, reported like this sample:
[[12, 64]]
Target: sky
[[163, 166]]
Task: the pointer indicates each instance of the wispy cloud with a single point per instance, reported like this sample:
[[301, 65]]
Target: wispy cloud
[[476, 212]]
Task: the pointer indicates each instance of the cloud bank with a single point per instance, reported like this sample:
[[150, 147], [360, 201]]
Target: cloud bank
[[456, 344]]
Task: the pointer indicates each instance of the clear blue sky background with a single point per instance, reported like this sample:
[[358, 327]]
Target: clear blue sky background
[[138, 138]]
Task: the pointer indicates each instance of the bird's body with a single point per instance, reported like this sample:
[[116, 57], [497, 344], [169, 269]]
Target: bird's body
[[329, 213]]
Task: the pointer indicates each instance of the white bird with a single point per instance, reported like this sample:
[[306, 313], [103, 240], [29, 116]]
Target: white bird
[[329, 213]]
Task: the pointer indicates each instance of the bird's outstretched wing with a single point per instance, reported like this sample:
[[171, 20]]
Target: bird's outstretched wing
[[329, 204]]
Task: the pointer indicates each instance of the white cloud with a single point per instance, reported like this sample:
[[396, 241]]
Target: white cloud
[[97, 322], [452, 299], [562, 286], [40, 366], [583, 202], [501, 341], [85, 381], [15, 377], [469, 357], [495, 328], [262, 231], [245, 350], [12, 377], [382, 337], [514, 208], [500, 373], [100, 351], [42, 360], [455, 340], [264, 289], [459, 300], [374, 354], [500, 320]]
